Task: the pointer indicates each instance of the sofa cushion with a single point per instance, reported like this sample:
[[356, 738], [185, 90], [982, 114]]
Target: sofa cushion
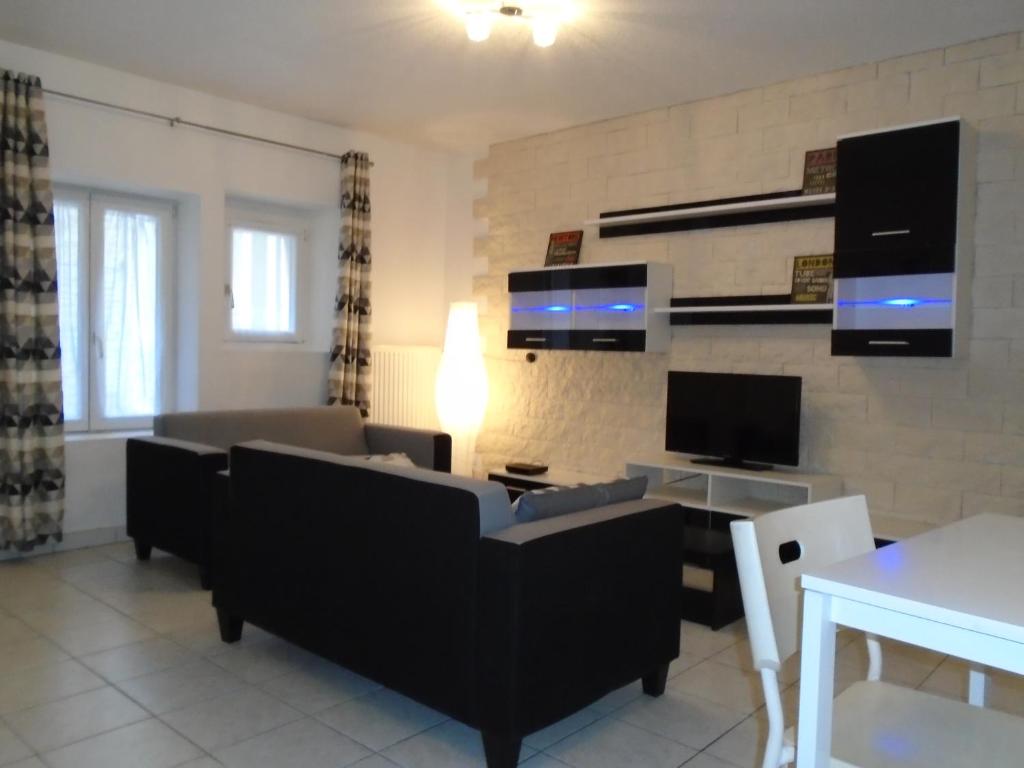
[[397, 459], [553, 502], [522, 532], [495, 510], [337, 429]]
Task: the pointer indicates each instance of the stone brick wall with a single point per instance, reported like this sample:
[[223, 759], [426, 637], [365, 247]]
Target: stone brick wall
[[932, 440]]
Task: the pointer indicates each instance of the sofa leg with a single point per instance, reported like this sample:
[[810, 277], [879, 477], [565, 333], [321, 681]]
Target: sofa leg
[[142, 549], [230, 626], [654, 683], [205, 577], [501, 750]]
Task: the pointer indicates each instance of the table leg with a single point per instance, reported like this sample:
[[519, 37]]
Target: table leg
[[817, 670], [977, 680]]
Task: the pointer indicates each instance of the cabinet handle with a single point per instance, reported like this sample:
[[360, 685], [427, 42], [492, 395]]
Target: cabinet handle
[[604, 340], [890, 232], [887, 343], [535, 338]]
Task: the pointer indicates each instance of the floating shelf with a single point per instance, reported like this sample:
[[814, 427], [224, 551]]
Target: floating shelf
[[774, 309], [709, 214]]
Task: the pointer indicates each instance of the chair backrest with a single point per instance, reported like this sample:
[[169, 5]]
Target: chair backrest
[[774, 549]]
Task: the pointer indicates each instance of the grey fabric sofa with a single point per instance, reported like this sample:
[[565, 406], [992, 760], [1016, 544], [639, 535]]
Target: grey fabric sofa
[[172, 476]]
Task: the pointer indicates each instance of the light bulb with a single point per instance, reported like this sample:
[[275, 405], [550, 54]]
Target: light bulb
[[478, 26], [545, 31]]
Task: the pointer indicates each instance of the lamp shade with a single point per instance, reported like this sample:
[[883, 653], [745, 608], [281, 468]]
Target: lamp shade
[[478, 26], [545, 31], [461, 393]]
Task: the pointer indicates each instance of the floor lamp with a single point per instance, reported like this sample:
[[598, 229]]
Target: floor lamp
[[461, 391]]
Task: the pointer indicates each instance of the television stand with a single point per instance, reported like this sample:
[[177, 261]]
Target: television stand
[[711, 496], [752, 466]]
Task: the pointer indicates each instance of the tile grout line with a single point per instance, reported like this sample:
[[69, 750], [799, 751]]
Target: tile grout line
[[109, 683]]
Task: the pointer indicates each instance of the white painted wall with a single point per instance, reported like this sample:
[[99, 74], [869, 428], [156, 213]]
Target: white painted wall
[[462, 228], [420, 213]]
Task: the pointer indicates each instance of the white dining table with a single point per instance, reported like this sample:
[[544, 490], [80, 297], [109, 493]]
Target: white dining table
[[958, 590]]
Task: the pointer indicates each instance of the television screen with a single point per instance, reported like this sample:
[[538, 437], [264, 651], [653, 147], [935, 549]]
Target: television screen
[[734, 417]]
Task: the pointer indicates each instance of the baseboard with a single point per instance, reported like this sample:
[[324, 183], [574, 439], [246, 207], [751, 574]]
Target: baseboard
[[72, 540]]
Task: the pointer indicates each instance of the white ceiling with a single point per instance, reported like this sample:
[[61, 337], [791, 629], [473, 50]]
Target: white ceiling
[[405, 68]]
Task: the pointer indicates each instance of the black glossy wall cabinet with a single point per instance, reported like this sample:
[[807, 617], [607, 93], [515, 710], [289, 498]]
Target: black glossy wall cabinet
[[904, 207], [896, 202], [607, 308]]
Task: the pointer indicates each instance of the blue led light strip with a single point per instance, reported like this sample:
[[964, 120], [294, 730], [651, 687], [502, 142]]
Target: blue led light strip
[[897, 302], [623, 307], [582, 308]]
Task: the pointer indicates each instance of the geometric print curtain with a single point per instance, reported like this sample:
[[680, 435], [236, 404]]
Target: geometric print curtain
[[348, 381], [31, 404]]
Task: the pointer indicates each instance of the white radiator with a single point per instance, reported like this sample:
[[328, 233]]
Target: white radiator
[[403, 386]]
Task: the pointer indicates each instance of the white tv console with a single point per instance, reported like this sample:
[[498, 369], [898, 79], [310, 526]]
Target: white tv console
[[712, 496], [748, 493], [733, 491]]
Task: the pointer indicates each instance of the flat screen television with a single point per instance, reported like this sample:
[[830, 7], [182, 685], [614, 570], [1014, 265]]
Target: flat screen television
[[734, 419]]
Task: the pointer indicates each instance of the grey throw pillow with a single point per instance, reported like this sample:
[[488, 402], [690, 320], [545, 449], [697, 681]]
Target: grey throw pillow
[[552, 502], [624, 490]]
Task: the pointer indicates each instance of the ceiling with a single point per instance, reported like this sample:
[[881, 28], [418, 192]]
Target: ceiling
[[404, 68]]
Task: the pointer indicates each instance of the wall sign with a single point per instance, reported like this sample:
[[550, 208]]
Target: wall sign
[[564, 248], [820, 171], [812, 279]]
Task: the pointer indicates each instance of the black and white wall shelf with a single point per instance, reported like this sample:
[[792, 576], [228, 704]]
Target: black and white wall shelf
[[712, 214], [607, 307], [904, 214], [903, 242], [771, 309]]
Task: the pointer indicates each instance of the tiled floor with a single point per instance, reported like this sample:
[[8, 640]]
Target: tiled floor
[[110, 663]]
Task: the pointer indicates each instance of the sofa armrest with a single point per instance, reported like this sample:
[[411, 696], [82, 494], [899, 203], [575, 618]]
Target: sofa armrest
[[426, 447], [184, 446], [168, 494], [574, 607]]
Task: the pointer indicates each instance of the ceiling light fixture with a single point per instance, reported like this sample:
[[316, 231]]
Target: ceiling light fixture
[[543, 16]]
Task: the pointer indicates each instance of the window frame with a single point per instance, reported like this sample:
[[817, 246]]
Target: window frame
[[93, 204], [278, 221]]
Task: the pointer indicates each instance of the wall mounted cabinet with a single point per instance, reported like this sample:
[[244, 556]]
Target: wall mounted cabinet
[[904, 206], [896, 201], [605, 307]]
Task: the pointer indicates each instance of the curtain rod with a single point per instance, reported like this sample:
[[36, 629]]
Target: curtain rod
[[176, 121]]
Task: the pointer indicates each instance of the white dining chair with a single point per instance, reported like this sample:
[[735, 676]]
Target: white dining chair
[[874, 723]]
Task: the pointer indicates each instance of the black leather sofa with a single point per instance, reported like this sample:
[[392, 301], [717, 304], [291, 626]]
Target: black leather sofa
[[418, 580], [171, 476]]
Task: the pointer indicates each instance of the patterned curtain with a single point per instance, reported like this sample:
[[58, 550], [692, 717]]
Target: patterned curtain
[[31, 403], [348, 382]]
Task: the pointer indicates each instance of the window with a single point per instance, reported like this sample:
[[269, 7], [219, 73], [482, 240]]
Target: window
[[113, 264], [264, 255]]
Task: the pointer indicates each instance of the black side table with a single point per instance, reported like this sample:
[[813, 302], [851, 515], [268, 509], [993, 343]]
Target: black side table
[[517, 485], [709, 547]]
